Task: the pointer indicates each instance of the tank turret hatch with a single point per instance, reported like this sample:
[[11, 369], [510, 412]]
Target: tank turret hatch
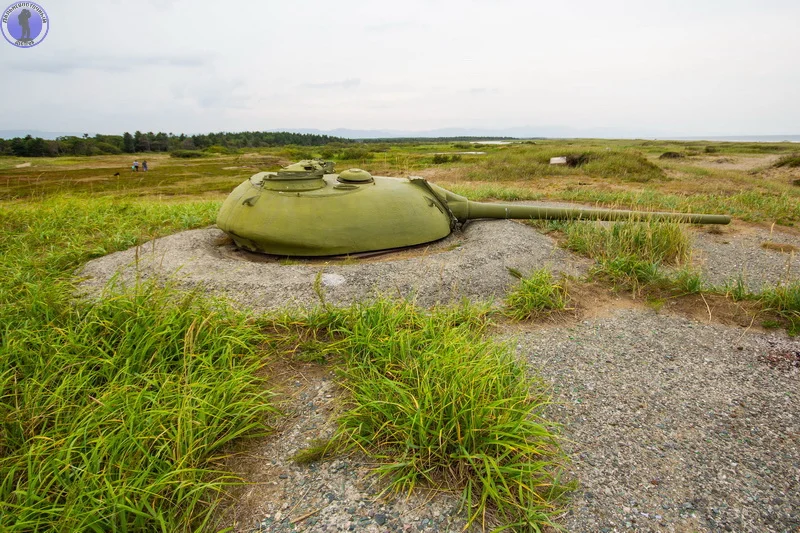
[[304, 175]]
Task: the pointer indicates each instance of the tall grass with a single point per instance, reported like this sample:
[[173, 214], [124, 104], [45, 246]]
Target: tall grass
[[536, 294], [781, 301], [785, 300], [113, 413], [623, 165], [790, 160], [437, 404], [655, 242], [630, 253]]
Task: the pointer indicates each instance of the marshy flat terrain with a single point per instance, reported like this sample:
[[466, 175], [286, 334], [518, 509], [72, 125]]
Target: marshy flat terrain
[[530, 375]]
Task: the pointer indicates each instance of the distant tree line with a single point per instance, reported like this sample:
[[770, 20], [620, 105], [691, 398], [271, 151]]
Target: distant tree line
[[398, 140], [158, 142], [210, 142]]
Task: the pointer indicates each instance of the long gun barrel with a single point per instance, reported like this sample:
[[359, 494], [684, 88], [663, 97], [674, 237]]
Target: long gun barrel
[[463, 209]]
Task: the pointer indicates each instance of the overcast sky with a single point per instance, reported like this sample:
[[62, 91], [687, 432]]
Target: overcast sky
[[682, 67]]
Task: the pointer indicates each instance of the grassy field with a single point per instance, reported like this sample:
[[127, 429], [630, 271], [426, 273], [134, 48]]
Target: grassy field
[[753, 182], [117, 414]]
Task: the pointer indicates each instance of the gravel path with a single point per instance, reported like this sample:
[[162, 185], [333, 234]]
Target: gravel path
[[672, 424]]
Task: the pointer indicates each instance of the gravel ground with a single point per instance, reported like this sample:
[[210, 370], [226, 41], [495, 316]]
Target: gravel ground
[[675, 425], [738, 251], [672, 424]]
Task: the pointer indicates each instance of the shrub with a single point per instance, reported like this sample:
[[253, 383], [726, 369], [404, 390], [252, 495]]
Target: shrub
[[791, 161], [671, 155], [379, 147], [186, 154], [217, 149], [356, 152], [438, 159], [578, 160], [108, 148], [296, 153]]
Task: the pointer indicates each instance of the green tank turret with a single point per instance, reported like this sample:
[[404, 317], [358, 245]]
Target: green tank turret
[[305, 209]]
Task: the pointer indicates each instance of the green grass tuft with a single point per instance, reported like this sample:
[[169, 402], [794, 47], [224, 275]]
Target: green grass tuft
[[627, 271], [688, 281], [440, 405], [536, 295], [654, 242], [630, 253], [785, 300], [782, 300], [737, 290]]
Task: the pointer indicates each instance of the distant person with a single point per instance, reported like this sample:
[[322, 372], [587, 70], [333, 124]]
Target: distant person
[[136, 166], [144, 166], [24, 22]]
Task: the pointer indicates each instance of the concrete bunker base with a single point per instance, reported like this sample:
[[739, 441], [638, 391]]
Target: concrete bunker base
[[472, 263]]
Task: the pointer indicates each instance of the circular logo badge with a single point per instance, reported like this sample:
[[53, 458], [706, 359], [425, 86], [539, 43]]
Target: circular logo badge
[[25, 24]]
